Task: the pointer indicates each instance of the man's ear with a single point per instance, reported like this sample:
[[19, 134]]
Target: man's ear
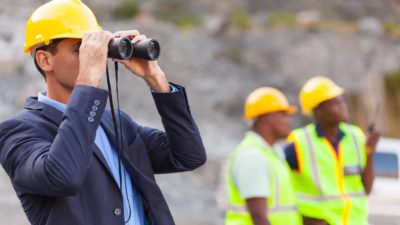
[[44, 60], [317, 112]]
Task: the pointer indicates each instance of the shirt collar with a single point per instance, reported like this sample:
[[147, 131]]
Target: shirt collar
[[320, 133], [51, 102], [260, 139]]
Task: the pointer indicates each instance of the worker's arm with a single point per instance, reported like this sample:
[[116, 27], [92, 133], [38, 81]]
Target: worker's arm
[[180, 147], [251, 176], [368, 172], [368, 175], [41, 162], [258, 210]]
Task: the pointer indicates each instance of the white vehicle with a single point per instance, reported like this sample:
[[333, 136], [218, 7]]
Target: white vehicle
[[384, 200]]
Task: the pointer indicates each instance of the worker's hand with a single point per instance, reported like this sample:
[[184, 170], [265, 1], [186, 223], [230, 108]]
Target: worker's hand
[[93, 57], [146, 69], [372, 140]]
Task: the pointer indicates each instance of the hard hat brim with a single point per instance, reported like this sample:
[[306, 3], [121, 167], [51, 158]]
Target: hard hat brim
[[290, 111], [28, 49], [338, 92]]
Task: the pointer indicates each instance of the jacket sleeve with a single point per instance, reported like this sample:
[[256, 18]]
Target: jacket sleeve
[[180, 147], [36, 163]]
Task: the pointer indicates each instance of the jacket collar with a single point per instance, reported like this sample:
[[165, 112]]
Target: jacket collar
[[55, 116], [320, 132], [48, 111]]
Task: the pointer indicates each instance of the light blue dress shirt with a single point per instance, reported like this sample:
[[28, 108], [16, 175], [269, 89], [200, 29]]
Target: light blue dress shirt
[[129, 194]]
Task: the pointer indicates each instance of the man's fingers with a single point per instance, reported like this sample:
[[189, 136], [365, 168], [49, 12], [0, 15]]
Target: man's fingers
[[91, 35], [128, 33], [134, 35], [106, 37], [138, 38], [96, 39]]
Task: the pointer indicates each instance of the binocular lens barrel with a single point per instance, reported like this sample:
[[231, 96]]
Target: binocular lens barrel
[[122, 48], [119, 48]]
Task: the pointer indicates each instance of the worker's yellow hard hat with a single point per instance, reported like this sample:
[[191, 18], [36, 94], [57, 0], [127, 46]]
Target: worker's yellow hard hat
[[58, 19], [317, 90], [266, 100]]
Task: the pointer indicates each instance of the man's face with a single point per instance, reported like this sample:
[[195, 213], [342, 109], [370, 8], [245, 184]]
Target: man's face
[[61, 66], [333, 111], [66, 62], [280, 123]]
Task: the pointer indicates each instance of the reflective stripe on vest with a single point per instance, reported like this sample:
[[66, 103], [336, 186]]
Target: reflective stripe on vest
[[277, 207], [345, 206], [314, 162], [356, 145], [330, 197], [281, 203], [243, 209]]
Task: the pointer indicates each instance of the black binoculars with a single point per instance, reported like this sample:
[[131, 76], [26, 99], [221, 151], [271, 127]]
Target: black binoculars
[[122, 48]]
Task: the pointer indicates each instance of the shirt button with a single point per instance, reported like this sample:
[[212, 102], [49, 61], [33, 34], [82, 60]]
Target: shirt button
[[92, 114], [96, 102], [117, 212], [95, 108], [90, 119]]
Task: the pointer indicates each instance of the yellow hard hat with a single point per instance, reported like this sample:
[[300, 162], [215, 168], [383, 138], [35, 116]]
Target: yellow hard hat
[[317, 90], [58, 19], [266, 100]]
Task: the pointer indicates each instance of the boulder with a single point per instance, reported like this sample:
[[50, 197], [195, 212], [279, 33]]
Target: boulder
[[309, 20], [370, 26]]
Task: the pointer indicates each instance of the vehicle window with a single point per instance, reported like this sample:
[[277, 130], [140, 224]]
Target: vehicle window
[[386, 165]]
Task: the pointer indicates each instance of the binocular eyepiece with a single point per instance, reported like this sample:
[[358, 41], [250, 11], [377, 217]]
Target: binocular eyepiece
[[122, 48]]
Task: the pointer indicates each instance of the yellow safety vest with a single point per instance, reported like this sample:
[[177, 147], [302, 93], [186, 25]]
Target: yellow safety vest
[[329, 185], [281, 203]]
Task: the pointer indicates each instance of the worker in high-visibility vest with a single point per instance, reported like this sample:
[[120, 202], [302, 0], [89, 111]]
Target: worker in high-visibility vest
[[259, 184], [331, 160]]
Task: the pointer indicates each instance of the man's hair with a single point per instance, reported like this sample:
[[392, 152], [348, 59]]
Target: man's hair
[[52, 48]]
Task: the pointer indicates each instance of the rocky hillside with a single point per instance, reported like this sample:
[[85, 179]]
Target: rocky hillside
[[221, 52]]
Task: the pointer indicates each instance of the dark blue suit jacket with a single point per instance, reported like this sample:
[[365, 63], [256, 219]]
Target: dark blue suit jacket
[[60, 175]]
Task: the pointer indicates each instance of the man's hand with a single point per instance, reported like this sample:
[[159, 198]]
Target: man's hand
[[93, 57], [370, 148], [146, 69], [372, 140]]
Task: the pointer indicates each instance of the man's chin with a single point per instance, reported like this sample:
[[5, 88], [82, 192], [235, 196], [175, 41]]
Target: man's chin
[[344, 120]]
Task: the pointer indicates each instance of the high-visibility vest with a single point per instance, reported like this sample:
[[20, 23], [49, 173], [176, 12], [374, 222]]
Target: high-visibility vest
[[281, 202], [329, 184]]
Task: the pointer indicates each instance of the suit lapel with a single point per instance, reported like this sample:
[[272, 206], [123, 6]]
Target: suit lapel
[[101, 158], [143, 184], [108, 126], [137, 176]]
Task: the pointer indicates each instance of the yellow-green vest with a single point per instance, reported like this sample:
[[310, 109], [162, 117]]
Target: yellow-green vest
[[329, 185], [281, 203]]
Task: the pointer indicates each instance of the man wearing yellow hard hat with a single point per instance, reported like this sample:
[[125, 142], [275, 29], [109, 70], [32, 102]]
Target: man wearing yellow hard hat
[[331, 160], [259, 186], [72, 161]]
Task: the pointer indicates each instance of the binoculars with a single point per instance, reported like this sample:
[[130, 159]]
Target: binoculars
[[122, 48]]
